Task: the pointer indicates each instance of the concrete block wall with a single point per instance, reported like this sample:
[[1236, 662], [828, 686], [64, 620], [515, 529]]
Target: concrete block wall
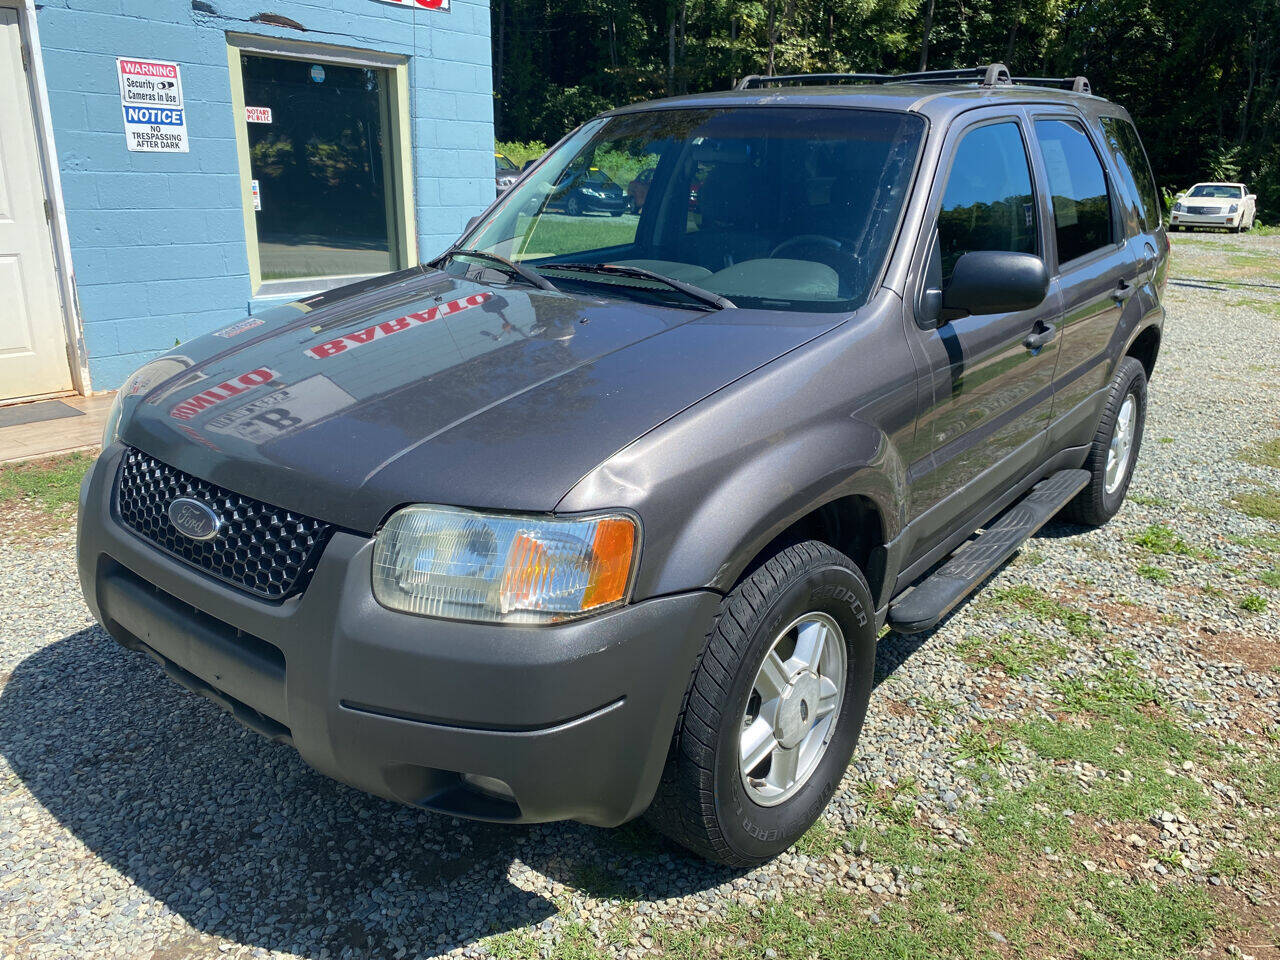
[[157, 239]]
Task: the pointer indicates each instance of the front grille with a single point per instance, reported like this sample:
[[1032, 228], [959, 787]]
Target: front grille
[[1203, 211], [264, 550]]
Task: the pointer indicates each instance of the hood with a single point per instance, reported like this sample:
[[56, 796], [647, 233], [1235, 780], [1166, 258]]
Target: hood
[[423, 387]]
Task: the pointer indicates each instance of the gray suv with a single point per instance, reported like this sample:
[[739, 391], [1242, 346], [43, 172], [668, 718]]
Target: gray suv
[[596, 515]]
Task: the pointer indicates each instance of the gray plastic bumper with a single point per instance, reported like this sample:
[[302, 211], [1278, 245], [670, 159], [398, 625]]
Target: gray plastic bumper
[[574, 719]]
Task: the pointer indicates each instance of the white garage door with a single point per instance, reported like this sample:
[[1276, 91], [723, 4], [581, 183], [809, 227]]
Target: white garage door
[[33, 346]]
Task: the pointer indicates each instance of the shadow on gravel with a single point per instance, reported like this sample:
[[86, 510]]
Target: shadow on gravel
[[244, 841], [241, 839]]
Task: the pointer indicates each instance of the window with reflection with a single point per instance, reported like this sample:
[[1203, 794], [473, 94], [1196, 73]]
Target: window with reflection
[[988, 202], [1078, 185], [318, 152]]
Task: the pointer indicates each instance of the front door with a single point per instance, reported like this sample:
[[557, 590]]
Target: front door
[[33, 345], [988, 390]]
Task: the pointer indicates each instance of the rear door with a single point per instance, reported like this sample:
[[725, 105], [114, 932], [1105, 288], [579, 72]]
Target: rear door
[[987, 395], [1093, 267]]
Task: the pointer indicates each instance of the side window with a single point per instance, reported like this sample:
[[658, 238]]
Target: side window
[[1081, 207], [987, 204], [1131, 161]]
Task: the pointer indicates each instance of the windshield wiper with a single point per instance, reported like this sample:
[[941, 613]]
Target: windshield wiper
[[509, 267], [705, 297]]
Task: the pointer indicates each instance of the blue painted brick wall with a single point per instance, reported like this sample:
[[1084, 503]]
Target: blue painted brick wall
[[157, 239]]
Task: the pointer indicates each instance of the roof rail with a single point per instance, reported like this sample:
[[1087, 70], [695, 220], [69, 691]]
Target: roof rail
[[992, 75]]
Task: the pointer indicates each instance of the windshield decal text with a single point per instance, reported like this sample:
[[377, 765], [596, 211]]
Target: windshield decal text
[[387, 327], [205, 399]]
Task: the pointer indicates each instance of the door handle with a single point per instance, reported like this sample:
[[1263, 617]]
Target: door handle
[[1123, 291], [1045, 332]]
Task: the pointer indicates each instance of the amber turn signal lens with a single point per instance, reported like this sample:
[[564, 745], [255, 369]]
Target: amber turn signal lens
[[614, 547]]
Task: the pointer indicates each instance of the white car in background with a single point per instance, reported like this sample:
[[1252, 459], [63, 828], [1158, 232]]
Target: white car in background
[[1228, 205]]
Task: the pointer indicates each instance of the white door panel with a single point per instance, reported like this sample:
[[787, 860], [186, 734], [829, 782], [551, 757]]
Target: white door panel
[[33, 346]]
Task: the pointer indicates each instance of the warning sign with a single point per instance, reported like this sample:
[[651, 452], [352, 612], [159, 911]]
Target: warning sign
[[151, 100], [257, 114]]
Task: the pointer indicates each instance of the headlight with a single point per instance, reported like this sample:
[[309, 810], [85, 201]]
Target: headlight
[[139, 382], [1233, 208], [503, 568], [1177, 207]]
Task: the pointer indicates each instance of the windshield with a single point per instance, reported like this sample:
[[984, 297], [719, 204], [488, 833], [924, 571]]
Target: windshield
[[502, 164], [781, 208], [1219, 190]]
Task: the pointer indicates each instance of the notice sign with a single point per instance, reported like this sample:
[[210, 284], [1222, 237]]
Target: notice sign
[[151, 100], [257, 114]]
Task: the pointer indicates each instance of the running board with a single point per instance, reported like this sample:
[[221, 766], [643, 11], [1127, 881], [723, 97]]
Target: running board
[[925, 604]]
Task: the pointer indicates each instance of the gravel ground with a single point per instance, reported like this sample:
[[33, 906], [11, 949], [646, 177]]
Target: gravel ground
[[137, 820]]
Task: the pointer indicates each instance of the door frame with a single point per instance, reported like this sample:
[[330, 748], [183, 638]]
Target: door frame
[[37, 95]]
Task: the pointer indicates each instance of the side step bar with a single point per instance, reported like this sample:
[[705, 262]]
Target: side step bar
[[925, 604]]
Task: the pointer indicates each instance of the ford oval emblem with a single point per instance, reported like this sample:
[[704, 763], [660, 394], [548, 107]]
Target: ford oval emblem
[[194, 519]]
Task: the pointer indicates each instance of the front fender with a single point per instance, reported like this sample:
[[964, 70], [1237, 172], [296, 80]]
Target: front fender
[[714, 486], [765, 495], [716, 483]]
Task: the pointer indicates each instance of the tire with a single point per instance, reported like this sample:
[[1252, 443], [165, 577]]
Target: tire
[[1096, 504], [704, 801]]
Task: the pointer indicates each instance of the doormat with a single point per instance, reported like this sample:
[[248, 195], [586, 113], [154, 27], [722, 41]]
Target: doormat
[[37, 412]]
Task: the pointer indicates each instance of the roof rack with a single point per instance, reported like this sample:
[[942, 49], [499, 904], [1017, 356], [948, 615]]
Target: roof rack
[[992, 75]]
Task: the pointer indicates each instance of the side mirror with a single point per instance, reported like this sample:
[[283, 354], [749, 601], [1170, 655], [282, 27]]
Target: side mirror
[[1251, 196], [994, 281]]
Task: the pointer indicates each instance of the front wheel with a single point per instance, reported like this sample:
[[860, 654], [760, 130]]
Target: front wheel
[[1114, 450], [773, 710]]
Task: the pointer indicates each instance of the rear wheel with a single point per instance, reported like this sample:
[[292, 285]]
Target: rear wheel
[[1114, 450], [774, 708]]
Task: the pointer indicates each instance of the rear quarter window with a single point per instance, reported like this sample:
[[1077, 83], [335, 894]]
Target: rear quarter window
[[1131, 160]]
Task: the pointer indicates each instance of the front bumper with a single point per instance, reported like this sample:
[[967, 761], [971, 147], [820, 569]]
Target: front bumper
[[1204, 220], [574, 719], [606, 204]]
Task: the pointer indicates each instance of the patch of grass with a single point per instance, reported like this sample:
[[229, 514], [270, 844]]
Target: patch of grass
[[1153, 573], [935, 709], [1159, 539], [1044, 609], [1229, 863], [1266, 454], [1100, 693], [1262, 503], [819, 841], [982, 747], [997, 884], [1266, 542], [1165, 440], [1253, 602], [1214, 591], [1270, 578], [1015, 653], [52, 483], [1146, 500]]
